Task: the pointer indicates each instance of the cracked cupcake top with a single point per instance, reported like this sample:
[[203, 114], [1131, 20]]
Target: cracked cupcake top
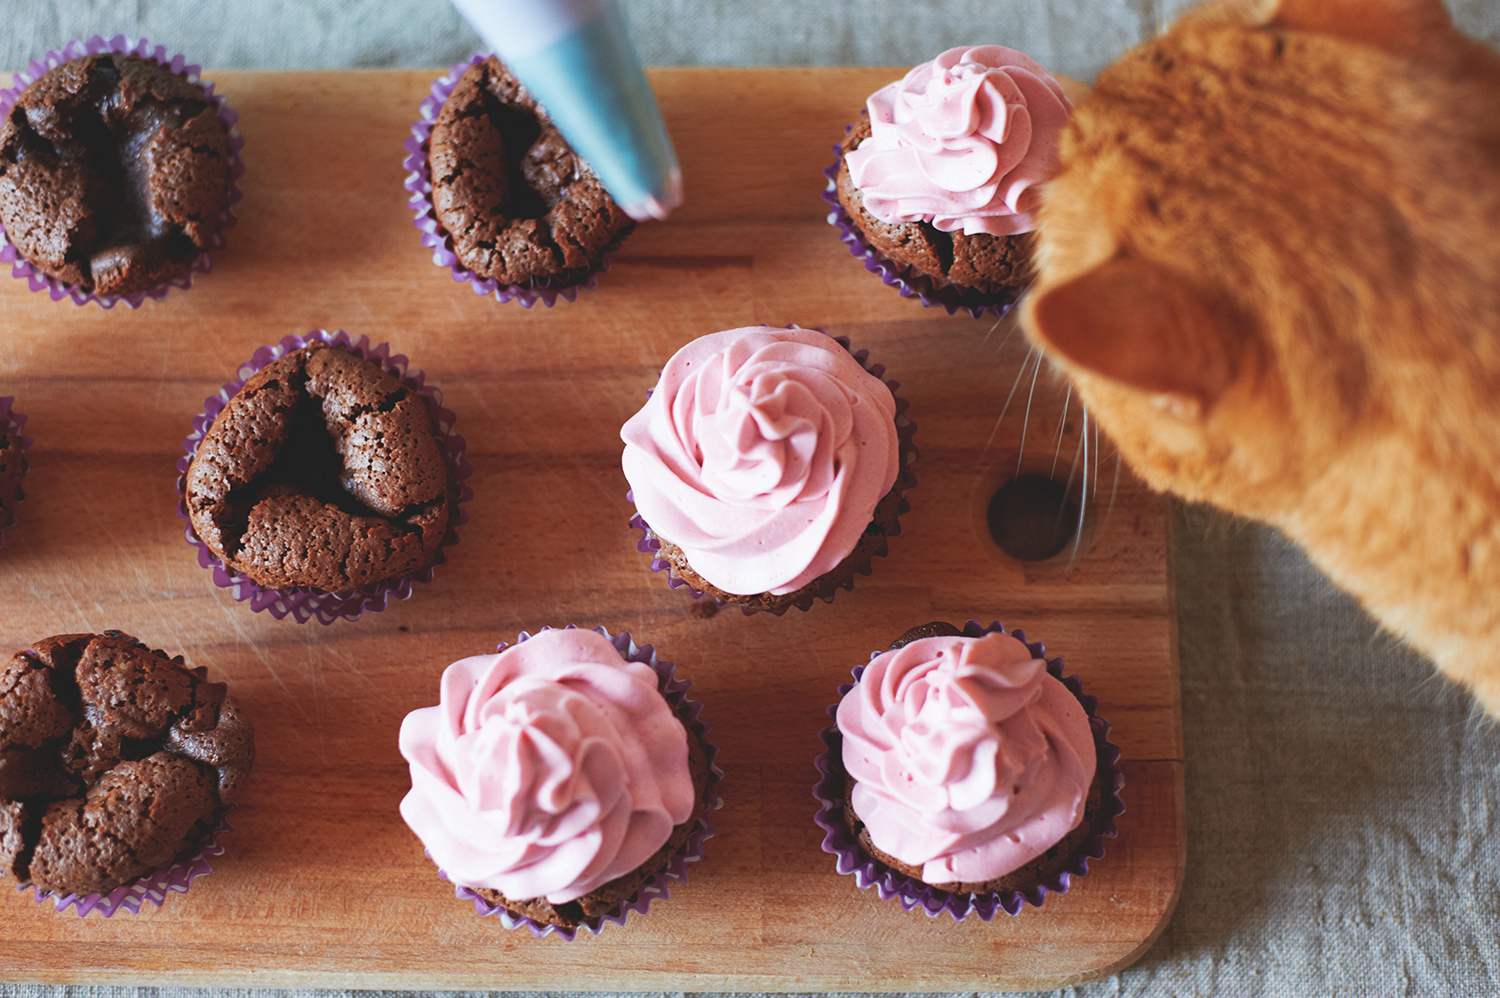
[[114, 759], [114, 172], [322, 471], [514, 198]]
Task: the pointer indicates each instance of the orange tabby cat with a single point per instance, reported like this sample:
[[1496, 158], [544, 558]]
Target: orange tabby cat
[[1271, 263]]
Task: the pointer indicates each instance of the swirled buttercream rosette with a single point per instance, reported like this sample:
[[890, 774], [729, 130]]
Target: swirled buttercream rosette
[[304, 603], [546, 290], [15, 446], [545, 847], [151, 888], [954, 151], [851, 858], [769, 501], [203, 262]]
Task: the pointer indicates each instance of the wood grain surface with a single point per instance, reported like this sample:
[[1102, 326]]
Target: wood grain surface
[[322, 884]]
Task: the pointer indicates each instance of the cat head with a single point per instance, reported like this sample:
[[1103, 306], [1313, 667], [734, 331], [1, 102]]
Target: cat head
[[1271, 226]]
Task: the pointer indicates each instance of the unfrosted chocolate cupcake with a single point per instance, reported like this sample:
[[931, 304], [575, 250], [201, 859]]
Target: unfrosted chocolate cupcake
[[114, 761], [323, 471], [114, 173], [517, 203]]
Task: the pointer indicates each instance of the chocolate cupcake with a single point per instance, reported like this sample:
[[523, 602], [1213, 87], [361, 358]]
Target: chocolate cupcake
[[325, 477], [115, 763], [768, 467], [592, 828], [965, 775], [13, 466], [936, 186], [117, 172], [499, 194]]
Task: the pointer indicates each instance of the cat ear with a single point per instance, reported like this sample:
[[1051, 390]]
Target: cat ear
[[1134, 322], [1392, 25]]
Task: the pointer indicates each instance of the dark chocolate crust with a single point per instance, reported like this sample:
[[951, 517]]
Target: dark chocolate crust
[[114, 172], [1042, 869], [114, 760], [12, 470], [602, 900], [322, 471], [514, 198], [990, 265]]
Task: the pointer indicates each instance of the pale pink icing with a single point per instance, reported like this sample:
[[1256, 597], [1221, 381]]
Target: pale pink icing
[[762, 453], [962, 141], [969, 758], [546, 770]]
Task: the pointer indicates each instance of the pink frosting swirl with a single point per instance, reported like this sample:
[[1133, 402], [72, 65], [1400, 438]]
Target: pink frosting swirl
[[969, 758], [962, 141], [762, 453], [547, 770]]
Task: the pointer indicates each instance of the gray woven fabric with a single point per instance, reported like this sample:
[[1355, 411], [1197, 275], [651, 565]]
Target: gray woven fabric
[[1342, 822]]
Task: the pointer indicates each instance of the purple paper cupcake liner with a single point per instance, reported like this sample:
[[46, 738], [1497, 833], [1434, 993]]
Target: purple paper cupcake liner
[[15, 421], [546, 290], [122, 45], [907, 281], [153, 887], [656, 888], [913, 893], [303, 603], [905, 480]]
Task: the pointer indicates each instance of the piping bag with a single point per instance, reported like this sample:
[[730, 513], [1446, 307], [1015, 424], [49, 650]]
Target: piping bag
[[576, 59]]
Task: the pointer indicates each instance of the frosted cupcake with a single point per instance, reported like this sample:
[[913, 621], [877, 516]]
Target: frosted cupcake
[[561, 782], [938, 185], [966, 775], [768, 467]]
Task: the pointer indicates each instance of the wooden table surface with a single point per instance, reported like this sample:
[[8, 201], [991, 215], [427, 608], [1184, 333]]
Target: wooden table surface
[[322, 885]]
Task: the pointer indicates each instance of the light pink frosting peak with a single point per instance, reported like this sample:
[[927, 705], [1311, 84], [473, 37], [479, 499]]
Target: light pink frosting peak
[[962, 142], [969, 758], [762, 454], [546, 770]]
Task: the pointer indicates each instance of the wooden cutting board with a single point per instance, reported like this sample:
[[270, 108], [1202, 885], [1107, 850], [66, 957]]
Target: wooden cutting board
[[322, 885]]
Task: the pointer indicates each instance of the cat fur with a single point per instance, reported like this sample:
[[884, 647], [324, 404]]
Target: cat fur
[[1270, 263]]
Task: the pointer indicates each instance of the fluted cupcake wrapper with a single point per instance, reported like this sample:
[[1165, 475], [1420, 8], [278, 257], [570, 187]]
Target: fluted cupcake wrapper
[[907, 281], [203, 262], [913, 893], [546, 290], [906, 478], [656, 888], [303, 603], [152, 887], [15, 421]]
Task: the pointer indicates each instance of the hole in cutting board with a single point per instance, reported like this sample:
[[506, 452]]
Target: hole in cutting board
[[1031, 518]]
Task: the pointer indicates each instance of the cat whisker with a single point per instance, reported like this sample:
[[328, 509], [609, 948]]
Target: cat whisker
[[991, 332], [1062, 507], [1062, 424], [1083, 493], [1096, 455], [1006, 407], [1021, 450]]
